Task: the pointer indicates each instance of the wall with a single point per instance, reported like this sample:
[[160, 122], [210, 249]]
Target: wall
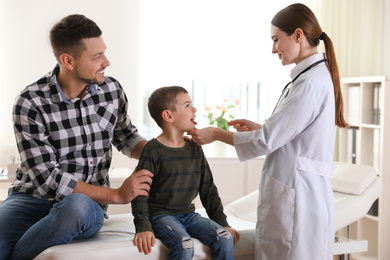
[[386, 38], [25, 52]]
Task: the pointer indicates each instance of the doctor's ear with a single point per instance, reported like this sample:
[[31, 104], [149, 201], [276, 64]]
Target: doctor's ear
[[298, 35]]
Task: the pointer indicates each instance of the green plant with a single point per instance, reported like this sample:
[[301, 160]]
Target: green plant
[[222, 114]]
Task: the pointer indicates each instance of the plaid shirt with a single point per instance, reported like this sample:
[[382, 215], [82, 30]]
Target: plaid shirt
[[61, 141]]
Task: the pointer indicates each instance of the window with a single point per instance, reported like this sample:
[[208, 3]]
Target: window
[[219, 49]]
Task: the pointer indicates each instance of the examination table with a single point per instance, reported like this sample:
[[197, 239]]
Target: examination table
[[355, 187]]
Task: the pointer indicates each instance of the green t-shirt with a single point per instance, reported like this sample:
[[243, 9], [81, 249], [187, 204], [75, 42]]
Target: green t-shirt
[[179, 174]]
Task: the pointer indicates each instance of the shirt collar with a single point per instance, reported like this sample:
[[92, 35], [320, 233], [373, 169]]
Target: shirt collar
[[92, 88], [58, 94], [62, 93], [306, 63]]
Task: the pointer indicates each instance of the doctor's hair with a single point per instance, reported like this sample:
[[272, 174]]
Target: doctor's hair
[[66, 36], [300, 16], [163, 99]]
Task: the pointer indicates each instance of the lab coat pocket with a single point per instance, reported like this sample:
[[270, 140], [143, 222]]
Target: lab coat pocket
[[277, 210]]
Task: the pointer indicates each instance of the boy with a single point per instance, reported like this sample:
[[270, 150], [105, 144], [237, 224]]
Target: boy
[[180, 172]]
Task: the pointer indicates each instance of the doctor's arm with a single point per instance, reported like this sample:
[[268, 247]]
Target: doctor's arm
[[211, 134], [243, 125]]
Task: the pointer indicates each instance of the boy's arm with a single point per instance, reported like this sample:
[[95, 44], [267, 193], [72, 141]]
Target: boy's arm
[[209, 196], [139, 205], [140, 212], [144, 238], [212, 202]]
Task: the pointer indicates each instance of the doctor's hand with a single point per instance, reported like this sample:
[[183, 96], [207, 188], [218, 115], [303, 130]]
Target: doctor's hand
[[203, 136], [243, 125], [144, 241]]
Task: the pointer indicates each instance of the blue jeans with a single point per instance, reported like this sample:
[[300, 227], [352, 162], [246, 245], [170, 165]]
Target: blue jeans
[[176, 232], [29, 225]]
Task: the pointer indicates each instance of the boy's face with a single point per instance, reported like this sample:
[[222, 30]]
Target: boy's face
[[184, 114]]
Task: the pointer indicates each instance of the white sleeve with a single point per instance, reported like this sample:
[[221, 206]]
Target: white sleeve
[[292, 116]]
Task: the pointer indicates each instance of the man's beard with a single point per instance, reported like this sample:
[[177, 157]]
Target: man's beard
[[88, 81]]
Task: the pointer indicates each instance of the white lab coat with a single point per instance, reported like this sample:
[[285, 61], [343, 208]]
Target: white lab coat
[[295, 218]]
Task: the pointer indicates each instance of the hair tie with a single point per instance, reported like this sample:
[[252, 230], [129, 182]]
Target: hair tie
[[322, 36]]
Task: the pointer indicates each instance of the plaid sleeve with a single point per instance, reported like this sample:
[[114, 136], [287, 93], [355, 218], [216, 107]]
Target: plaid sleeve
[[126, 135], [39, 162]]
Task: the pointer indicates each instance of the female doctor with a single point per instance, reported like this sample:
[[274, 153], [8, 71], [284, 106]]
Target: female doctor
[[295, 208]]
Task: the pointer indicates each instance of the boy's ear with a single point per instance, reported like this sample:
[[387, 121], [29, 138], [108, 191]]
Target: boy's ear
[[167, 116]]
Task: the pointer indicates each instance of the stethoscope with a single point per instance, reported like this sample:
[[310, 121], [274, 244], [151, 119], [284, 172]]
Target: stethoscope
[[286, 90]]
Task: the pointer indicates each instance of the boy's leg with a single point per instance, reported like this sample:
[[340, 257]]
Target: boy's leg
[[220, 241], [17, 214], [174, 236], [75, 217]]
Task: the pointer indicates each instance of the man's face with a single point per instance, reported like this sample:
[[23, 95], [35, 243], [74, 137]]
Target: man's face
[[90, 66]]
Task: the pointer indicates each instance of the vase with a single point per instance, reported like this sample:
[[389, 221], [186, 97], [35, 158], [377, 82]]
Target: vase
[[220, 149]]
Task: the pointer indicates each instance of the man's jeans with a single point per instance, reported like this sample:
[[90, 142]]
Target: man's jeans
[[176, 232], [29, 225]]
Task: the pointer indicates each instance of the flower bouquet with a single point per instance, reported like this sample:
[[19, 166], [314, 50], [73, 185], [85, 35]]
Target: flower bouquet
[[221, 115]]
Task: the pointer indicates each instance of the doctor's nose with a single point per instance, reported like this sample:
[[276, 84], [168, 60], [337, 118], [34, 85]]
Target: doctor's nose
[[274, 50]]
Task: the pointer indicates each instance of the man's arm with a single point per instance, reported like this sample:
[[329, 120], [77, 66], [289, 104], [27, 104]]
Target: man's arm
[[137, 184], [137, 150]]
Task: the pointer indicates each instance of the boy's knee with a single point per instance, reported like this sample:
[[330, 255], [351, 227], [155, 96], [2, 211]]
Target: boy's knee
[[187, 243], [224, 238], [223, 233], [187, 246]]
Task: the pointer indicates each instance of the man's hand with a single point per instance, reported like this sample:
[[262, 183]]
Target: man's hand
[[138, 184], [144, 241], [234, 233]]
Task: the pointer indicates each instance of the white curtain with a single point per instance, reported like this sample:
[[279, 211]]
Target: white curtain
[[358, 31]]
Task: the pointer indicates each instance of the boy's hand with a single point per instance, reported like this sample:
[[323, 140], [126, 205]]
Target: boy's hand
[[234, 233], [144, 241]]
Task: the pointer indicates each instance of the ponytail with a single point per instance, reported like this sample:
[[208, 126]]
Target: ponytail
[[300, 16], [334, 72]]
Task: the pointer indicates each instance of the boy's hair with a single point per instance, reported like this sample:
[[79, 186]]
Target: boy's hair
[[163, 99], [66, 36]]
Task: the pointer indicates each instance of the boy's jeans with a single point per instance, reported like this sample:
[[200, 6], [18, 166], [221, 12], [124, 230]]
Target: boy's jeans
[[176, 232], [29, 225]]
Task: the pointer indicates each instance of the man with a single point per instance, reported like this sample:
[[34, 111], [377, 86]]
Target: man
[[64, 125]]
